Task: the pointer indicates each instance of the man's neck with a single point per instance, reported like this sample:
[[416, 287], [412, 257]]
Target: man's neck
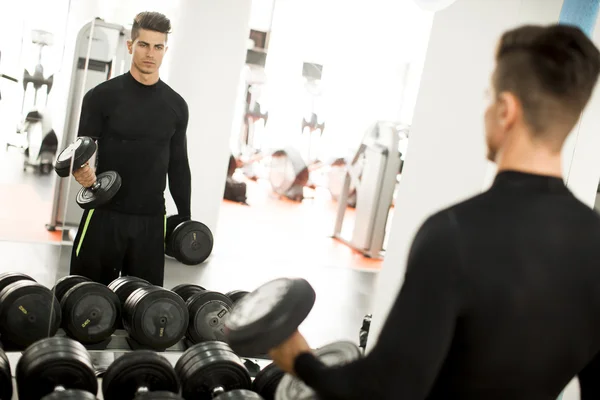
[[144, 79], [529, 157]]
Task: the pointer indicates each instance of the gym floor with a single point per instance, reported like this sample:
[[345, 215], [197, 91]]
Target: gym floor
[[268, 239]]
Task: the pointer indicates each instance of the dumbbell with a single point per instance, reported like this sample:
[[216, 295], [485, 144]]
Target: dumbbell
[[90, 310], [236, 295], [334, 354], [70, 395], [266, 381], [189, 242], [207, 312], [266, 317], [154, 317], [55, 364], [28, 311], [239, 394], [78, 154], [209, 369], [140, 373], [6, 389]]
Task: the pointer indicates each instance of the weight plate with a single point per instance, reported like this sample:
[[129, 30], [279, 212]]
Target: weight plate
[[186, 290], [191, 242], [236, 295], [172, 222], [208, 368], [240, 394], [269, 315], [63, 285], [155, 317], [126, 285], [82, 149], [70, 395], [208, 311], [28, 313], [52, 362], [91, 312], [157, 396], [141, 369], [7, 278], [267, 380], [6, 389], [334, 354], [110, 183]]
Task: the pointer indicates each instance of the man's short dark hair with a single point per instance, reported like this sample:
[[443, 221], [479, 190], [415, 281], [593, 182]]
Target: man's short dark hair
[[552, 70], [150, 21]]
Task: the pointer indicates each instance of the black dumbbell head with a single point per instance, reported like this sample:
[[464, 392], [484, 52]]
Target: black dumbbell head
[[266, 317], [6, 389], [158, 396], [139, 371], [126, 285], [155, 317], [6, 278], [209, 368], [236, 295], [28, 313], [208, 312], [240, 394], [80, 151], [63, 285], [186, 290], [334, 354], [70, 395], [53, 362], [267, 380], [190, 243], [109, 183], [90, 312]]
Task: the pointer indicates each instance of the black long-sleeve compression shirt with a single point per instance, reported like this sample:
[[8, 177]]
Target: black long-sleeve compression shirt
[[501, 300], [141, 134]]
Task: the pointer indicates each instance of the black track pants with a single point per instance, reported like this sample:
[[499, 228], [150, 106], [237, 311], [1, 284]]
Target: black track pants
[[111, 244]]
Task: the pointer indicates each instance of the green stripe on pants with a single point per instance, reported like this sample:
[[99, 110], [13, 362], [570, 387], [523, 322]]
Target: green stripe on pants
[[87, 222]]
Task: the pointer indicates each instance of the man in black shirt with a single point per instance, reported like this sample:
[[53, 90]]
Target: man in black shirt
[[140, 125], [501, 298]]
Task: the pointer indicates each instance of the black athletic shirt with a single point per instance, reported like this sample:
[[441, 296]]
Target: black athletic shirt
[[501, 300], [141, 133]]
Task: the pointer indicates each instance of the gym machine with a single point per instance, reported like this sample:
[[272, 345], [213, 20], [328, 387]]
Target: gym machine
[[36, 138], [373, 172], [100, 54]]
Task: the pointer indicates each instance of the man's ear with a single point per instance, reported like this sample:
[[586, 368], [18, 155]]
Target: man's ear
[[509, 110], [130, 46]]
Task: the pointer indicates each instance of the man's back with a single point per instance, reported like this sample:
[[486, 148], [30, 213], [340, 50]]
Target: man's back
[[530, 321]]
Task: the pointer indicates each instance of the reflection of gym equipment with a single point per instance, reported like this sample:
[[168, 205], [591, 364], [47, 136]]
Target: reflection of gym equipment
[[39, 143], [100, 53], [288, 173], [375, 182], [313, 124], [335, 182]]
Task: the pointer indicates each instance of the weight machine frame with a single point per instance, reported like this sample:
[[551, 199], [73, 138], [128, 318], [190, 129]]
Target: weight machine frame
[[375, 184]]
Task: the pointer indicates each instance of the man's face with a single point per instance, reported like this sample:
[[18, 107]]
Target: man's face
[[148, 51]]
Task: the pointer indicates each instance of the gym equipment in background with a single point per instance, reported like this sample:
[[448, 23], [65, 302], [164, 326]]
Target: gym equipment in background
[[234, 190], [373, 172], [312, 124], [78, 154], [36, 137], [288, 173], [100, 54], [189, 242]]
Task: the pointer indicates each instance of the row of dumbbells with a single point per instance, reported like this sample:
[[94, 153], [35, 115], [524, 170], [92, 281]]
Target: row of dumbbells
[[61, 368], [89, 312]]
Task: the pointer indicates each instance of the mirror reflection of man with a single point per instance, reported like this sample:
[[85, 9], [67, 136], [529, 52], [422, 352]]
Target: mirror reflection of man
[[140, 124]]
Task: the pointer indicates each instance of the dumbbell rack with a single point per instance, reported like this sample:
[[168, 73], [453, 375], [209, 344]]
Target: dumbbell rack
[[118, 345]]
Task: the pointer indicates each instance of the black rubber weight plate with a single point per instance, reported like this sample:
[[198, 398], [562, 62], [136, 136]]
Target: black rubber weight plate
[[53, 361], [126, 285], [110, 183], [81, 150], [186, 290], [70, 395], [236, 295], [7, 278], [240, 394], [6, 389], [28, 313], [267, 380], [191, 242], [206, 366], [91, 312], [157, 396], [63, 285], [208, 312], [155, 317], [134, 370], [269, 315], [338, 353]]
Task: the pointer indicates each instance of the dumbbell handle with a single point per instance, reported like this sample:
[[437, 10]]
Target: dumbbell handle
[[218, 390], [95, 186]]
